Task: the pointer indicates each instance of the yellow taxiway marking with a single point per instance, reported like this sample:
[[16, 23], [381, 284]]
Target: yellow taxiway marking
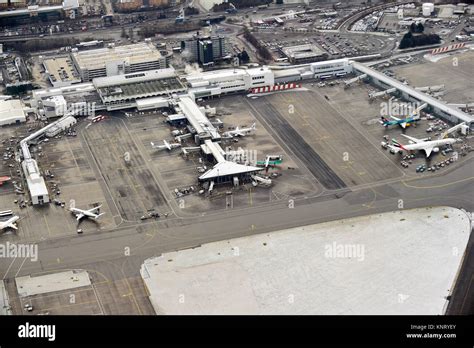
[[438, 186]]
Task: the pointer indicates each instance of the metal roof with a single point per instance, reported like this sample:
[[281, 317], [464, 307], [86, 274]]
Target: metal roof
[[228, 168], [196, 117]]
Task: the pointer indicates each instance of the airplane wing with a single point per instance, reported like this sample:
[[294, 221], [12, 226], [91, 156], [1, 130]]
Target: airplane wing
[[167, 144], [93, 210], [403, 125], [239, 133], [415, 140], [79, 216], [12, 225]]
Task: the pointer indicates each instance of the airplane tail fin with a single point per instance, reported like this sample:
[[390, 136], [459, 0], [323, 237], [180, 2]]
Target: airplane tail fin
[[254, 126], [152, 144], [397, 144]]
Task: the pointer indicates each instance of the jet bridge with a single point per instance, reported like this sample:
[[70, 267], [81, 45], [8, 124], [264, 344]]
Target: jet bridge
[[437, 107], [354, 80], [374, 95]]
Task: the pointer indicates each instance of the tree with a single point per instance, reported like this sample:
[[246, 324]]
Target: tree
[[130, 33], [410, 40], [244, 57], [407, 40], [420, 28], [123, 35]]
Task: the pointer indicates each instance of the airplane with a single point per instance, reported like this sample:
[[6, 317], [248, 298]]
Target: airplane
[[91, 213], [4, 179], [401, 122], [10, 223], [421, 144], [165, 145], [240, 132], [271, 160]]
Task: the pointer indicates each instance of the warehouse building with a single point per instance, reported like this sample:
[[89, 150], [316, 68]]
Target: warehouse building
[[118, 60], [11, 112]]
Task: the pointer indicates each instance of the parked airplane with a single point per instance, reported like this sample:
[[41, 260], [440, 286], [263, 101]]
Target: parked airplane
[[240, 132], [420, 144], [165, 145], [91, 213], [10, 223], [401, 122], [271, 160]]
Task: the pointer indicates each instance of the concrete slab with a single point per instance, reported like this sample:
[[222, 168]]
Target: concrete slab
[[28, 286], [402, 262]]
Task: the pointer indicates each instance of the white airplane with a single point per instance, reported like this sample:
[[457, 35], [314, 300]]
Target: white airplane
[[10, 223], [165, 145], [421, 144], [91, 213], [240, 132]]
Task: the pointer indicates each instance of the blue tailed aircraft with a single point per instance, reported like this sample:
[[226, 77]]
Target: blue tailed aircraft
[[401, 122]]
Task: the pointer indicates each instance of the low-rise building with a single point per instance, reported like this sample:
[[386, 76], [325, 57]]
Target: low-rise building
[[129, 5], [229, 81], [304, 54], [11, 112]]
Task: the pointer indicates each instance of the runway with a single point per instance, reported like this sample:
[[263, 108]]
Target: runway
[[291, 138]]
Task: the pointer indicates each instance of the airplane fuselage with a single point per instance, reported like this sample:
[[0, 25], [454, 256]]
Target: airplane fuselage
[[10, 223], [428, 146]]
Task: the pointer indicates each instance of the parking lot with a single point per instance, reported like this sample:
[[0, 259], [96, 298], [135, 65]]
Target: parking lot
[[336, 45]]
